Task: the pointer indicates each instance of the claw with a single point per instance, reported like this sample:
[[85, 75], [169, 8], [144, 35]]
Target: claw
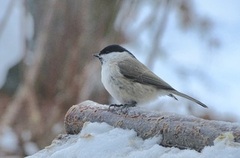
[[114, 105], [124, 106]]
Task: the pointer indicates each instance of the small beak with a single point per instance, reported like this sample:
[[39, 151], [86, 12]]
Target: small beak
[[97, 56]]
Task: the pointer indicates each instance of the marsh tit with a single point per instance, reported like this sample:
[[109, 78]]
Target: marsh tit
[[131, 82]]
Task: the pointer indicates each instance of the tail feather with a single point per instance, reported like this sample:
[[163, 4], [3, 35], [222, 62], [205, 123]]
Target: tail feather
[[189, 98]]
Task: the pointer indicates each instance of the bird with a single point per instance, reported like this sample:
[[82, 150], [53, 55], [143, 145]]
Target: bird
[[130, 82]]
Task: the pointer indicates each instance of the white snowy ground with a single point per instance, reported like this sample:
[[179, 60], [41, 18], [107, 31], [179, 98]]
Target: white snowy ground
[[101, 140]]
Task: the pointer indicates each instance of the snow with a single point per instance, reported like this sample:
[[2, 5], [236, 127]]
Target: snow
[[8, 140], [101, 140], [11, 44]]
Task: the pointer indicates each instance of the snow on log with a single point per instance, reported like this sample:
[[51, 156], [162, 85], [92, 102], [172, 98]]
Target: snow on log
[[176, 130]]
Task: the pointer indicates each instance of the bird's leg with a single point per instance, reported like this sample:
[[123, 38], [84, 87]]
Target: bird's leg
[[127, 105], [131, 104], [171, 95]]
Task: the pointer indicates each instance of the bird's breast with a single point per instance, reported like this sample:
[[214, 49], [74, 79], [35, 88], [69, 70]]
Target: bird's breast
[[110, 76]]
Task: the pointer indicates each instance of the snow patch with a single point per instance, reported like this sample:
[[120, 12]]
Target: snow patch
[[101, 140]]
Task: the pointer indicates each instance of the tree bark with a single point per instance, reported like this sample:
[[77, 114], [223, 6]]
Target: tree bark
[[177, 130]]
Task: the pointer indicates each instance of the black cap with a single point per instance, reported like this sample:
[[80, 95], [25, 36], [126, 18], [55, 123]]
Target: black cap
[[113, 48]]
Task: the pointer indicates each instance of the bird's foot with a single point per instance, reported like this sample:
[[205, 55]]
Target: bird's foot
[[123, 106], [114, 105]]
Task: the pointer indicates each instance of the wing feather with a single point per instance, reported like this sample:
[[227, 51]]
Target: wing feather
[[140, 73]]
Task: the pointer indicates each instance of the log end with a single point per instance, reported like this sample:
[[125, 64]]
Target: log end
[[74, 121]]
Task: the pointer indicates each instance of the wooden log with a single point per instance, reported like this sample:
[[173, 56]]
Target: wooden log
[[177, 130]]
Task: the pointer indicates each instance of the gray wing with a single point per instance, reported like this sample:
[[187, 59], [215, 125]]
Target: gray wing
[[140, 73]]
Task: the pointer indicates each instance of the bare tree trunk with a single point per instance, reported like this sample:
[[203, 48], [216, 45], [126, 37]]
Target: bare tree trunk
[[177, 130], [66, 34]]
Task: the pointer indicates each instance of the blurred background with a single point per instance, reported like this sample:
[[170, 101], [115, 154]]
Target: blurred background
[[46, 62]]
